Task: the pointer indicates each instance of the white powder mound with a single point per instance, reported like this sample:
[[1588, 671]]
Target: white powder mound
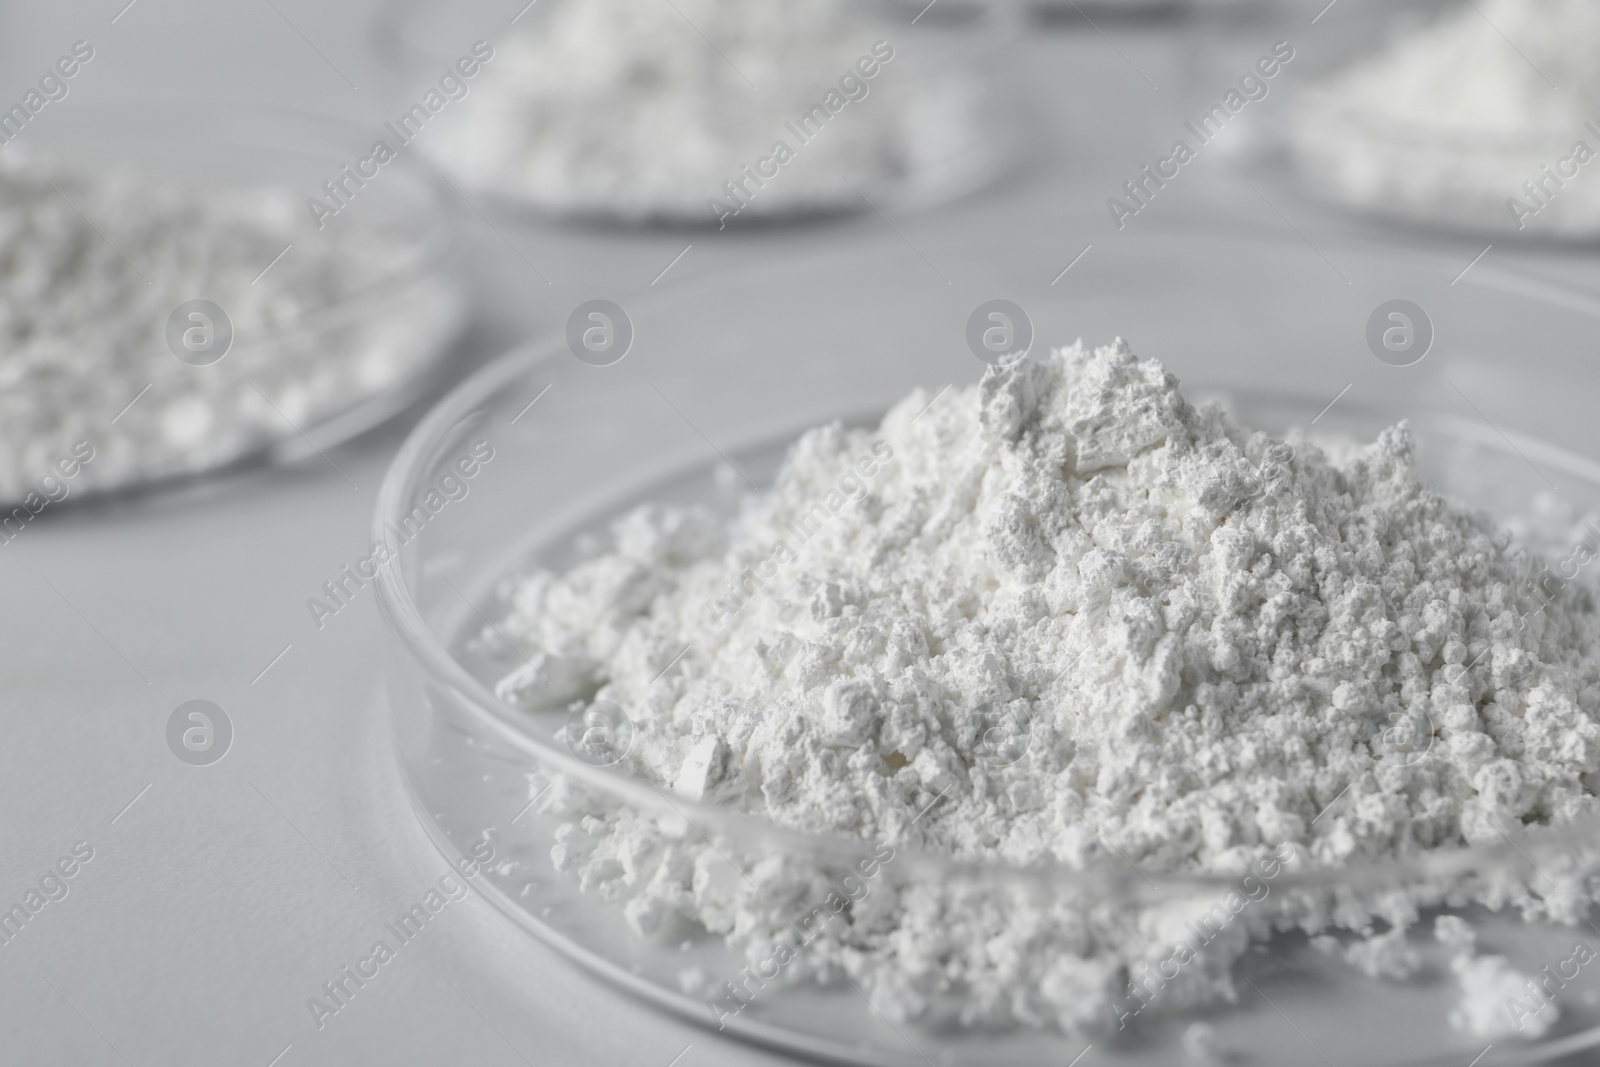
[[1062, 616], [83, 330], [1451, 122], [646, 111]]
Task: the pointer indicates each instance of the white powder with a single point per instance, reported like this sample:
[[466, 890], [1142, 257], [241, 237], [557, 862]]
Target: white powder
[[1456, 935], [646, 110], [83, 330], [1452, 122], [1200, 1043], [1495, 1002], [1389, 956], [1062, 616]]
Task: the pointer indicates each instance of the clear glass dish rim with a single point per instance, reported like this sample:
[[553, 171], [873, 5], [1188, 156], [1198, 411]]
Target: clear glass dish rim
[[427, 256], [477, 394]]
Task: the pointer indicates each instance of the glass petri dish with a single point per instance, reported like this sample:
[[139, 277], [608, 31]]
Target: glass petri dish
[[734, 370], [614, 155], [360, 333], [1320, 145], [1428, 177]]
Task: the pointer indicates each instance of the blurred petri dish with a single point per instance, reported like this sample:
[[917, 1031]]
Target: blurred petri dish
[[179, 358], [935, 122], [1324, 145]]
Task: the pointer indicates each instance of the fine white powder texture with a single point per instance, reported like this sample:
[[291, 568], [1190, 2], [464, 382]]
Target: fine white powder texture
[[1453, 121], [647, 111], [83, 348], [1063, 616]]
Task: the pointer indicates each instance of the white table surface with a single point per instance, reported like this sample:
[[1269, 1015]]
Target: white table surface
[[219, 901]]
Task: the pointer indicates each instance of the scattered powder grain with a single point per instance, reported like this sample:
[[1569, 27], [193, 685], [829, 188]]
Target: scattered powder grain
[[1456, 935], [1389, 956], [1489, 985], [1200, 1043]]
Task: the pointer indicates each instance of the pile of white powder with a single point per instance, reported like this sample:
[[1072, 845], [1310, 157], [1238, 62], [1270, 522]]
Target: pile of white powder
[[1485, 118], [93, 265], [1064, 616], [643, 110]]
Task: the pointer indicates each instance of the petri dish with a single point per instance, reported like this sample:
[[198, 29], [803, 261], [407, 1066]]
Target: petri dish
[[733, 370], [1319, 144], [1428, 177], [936, 122], [349, 324]]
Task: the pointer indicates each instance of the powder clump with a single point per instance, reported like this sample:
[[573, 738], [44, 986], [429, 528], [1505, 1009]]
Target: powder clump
[[1065, 616]]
